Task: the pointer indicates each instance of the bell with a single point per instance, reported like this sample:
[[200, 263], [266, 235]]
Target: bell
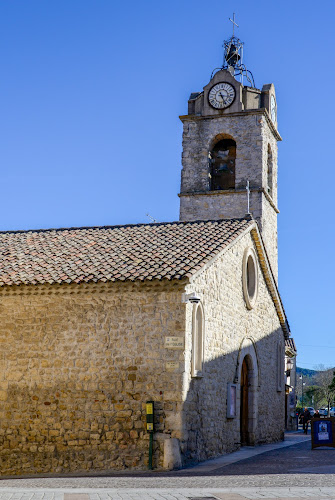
[[222, 167], [233, 56]]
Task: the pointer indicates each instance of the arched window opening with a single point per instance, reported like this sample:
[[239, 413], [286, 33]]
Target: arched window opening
[[222, 165], [198, 341], [280, 367], [270, 171]]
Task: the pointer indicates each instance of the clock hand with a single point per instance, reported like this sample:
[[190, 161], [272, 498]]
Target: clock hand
[[223, 97]]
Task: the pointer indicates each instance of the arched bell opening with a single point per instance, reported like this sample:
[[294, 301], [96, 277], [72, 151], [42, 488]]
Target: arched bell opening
[[222, 158]]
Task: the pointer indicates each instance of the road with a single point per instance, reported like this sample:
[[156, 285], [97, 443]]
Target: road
[[283, 470]]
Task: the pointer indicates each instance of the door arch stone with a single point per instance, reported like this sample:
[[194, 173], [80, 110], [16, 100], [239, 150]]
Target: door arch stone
[[247, 376]]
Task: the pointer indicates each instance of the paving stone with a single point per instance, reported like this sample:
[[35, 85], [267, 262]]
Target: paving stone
[[76, 496], [229, 496]]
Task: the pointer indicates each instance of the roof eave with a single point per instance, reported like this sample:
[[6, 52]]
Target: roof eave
[[270, 280]]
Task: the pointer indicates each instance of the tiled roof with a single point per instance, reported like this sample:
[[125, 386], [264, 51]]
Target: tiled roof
[[290, 344], [118, 253]]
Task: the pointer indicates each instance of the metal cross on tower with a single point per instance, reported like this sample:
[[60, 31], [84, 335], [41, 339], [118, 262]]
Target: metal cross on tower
[[233, 21]]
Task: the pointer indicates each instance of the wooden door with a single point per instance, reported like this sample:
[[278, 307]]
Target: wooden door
[[244, 412]]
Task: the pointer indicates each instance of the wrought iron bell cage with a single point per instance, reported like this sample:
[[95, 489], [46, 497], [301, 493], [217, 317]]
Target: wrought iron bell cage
[[233, 60]]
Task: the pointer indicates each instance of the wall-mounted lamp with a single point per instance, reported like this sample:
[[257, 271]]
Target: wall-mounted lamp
[[289, 364], [193, 297]]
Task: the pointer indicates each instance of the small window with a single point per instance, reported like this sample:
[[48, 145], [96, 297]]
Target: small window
[[270, 171], [197, 341], [222, 165], [250, 277]]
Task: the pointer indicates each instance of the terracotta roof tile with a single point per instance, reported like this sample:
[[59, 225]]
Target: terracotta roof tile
[[134, 252]]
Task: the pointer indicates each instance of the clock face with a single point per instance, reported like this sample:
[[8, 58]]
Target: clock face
[[221, 96], [273, 109]]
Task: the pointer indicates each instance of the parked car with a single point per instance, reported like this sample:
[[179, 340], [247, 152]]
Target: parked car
[[323, 411], [332, 411], [311, 410]]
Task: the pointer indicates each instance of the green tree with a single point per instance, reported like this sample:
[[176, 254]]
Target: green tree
[[325, 380], [331, 387], [314, 396]]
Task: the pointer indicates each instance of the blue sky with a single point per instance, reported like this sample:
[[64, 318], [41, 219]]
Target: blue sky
[[90, 96]]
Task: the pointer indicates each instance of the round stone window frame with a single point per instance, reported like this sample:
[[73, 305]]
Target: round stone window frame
[[250, 277]]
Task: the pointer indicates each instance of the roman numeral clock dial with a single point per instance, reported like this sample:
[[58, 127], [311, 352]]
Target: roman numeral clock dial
[[221, 96]]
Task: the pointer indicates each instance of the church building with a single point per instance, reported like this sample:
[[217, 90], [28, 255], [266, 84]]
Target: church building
[[159, 344]]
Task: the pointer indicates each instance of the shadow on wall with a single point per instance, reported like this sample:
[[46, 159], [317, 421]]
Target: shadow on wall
[[237, 399], [255, 371]]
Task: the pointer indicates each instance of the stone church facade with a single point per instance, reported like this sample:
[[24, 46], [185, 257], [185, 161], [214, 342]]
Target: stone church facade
[[96, 322], [81, 355]]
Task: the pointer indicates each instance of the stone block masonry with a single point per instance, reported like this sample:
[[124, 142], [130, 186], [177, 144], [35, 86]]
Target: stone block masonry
[[231, 332], [254, 136], [76, 370]]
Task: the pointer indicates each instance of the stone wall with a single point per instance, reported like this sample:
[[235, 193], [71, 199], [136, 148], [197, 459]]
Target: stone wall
[[269, 231], [231, 331], [78, 363], [221, 205], [268, 220], [253, 135], [201, 133]]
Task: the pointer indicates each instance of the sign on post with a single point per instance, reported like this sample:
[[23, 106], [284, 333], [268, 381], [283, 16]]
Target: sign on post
[[323, 432]]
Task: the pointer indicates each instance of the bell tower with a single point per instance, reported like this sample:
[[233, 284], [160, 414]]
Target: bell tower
[[229, 138]]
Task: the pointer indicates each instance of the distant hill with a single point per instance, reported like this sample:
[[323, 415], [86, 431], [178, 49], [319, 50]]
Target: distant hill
[[306, 372]]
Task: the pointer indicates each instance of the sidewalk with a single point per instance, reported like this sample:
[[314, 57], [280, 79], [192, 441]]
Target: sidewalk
[[291, 438], [169, 494]]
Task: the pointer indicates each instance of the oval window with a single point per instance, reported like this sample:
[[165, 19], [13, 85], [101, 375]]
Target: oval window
[[250, 277]]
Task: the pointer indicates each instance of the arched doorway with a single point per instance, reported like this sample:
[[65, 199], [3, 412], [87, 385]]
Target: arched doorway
[[244, 408], [247, 376]]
